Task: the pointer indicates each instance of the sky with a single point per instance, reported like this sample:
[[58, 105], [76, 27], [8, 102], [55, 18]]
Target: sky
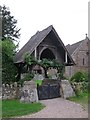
[[68, 17]]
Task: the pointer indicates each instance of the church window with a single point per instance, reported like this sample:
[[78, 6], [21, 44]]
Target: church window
[[83, 61]]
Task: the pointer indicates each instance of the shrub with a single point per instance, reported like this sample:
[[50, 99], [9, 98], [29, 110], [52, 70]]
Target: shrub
[[78, 77], [87, 76], [84, 87], [79, 82], [80, 87], [27, 77]]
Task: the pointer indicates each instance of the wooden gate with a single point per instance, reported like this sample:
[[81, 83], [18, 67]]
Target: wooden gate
[[48, 91]]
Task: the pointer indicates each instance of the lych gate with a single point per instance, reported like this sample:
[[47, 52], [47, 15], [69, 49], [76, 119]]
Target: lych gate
[[45, 44]]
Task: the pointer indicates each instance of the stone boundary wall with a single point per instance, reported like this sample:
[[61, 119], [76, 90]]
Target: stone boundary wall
[[66, 89], [80, 86], [11, 91], [14, 91]]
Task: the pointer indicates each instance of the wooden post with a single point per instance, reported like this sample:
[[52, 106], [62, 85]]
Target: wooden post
[[66, 57], [35, 53]]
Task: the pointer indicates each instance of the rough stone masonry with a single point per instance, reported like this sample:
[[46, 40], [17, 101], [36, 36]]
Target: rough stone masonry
[[29, 92]]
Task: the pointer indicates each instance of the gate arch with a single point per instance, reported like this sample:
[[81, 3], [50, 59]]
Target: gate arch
[[48, 54]]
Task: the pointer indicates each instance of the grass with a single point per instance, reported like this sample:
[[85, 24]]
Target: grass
[[38, 82], [0, 109], [82, 99], [13, 108]]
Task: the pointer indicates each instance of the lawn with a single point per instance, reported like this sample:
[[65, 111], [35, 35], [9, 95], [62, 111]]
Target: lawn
[[0, 109], [12, 108], [81, 99], [38, 82]]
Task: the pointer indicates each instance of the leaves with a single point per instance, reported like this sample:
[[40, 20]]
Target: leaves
[[29, 59], [45, 63], [78, 77], [8, 48], [9, 28], [9, 71], [10, 33]]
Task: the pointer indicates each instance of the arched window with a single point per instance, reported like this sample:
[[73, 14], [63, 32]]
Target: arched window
[[83, 61], [48, 54]]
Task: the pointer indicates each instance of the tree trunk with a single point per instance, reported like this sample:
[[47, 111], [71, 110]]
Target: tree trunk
[[45, 71]]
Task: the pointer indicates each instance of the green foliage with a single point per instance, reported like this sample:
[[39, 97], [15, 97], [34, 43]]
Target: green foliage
[[45, 63], [80, 87], [79, 82], [12, 108], [8, 48], [87, 76], [28, 77], [61, 76], [10, 33], [29, 59], [84, 87], [9, 70], [9, 28], [30, 62], [57, 65], [78, 77]]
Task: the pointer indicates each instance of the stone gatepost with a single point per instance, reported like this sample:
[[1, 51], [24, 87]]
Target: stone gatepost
[[29, 92], [66, 89]]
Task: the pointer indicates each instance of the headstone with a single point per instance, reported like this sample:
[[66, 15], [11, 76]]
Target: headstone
[[29, 92], [66, 88], [38, 77], [53, 73]]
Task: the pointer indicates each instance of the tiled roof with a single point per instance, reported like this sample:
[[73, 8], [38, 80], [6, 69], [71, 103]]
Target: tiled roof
[[35, 40], [32, 43], [73, 47]]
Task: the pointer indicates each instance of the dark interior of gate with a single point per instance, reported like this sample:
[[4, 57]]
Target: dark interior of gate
[[47, 53], [49, 90]]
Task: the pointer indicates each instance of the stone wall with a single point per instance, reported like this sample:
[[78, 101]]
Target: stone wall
[[27, 93], [66, 89], [11, 91], [81, 57]]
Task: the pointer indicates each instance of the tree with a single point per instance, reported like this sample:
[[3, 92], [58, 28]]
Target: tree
[[9, 71], [45, 63], [10, 33], [9, 28], [30, 61]]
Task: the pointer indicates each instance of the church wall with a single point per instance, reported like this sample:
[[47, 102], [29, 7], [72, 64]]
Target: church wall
[[81, 59]]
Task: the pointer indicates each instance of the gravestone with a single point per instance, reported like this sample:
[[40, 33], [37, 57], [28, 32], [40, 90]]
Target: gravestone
[[66, 89], [29, 92], [38, 77], [52, 73]]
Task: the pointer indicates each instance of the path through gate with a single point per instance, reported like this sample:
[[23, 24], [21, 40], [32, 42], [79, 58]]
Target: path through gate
[[48, 91]]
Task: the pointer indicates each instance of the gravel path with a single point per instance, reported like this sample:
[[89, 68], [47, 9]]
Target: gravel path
[[59, 108]]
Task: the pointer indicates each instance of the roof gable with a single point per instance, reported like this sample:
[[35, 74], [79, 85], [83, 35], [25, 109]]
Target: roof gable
[[73, 47], [35, 40]]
